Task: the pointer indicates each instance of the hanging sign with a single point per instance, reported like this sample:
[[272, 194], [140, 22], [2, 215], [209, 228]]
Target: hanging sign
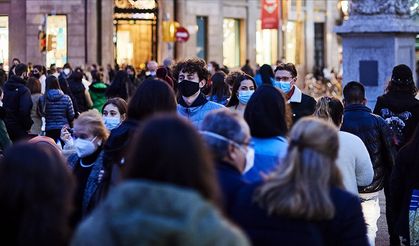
[[270, 14]]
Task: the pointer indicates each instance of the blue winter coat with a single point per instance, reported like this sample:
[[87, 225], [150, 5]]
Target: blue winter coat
[[268, 154], [57, 108], [346, 228]]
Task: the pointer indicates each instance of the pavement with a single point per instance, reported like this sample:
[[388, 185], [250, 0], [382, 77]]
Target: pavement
[[382, 234]]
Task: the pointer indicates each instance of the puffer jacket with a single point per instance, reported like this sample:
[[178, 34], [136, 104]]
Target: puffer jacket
[[57, 108], [377, 137], [18, 104]]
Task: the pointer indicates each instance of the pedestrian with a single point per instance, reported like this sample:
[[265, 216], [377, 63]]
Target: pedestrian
[[286, 79], [34, 86], [5, 141], [12, 70], [119, 86], [114, 112], [267, 75], [152, 97], [302, 203], [191, 75], [65, 87], [248, 69], [171, 182], [398, 106], [35, 192], [56, 107], [162, 73], [378, 138], [97, 91], [219, 92], [133, 81], [3, 75], [17, 102], [111, 73], [151, 69], [404, 191], [353, 160], [39, 73], [228, 136], [269, 119], [243, 87], [87, 163], [79, 92]]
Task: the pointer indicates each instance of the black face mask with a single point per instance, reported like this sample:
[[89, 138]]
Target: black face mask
[[188, 88]]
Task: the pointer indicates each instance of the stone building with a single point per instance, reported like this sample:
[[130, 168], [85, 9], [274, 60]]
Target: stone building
[[130, 31]]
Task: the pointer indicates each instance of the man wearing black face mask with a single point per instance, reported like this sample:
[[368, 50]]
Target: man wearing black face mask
[[191, 75], [18, 104]]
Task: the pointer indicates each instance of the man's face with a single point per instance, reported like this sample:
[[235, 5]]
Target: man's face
[[285, 76], [191, 77]]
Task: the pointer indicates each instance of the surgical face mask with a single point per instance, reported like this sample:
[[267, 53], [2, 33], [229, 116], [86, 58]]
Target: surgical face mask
[[67, 71], [188, 88], [111, 122], [84, 147], [244, 96], [284, 86], [250, 154]]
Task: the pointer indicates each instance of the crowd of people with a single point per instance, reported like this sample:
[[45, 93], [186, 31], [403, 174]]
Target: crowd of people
[[191, 153]]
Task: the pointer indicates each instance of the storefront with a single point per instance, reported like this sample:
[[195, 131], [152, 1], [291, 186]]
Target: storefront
[[4, 41], [135, 32]]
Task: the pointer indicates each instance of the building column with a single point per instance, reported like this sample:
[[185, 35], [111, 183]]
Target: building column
[[252, 17], [309, 37], [108, 52], [17, 30]]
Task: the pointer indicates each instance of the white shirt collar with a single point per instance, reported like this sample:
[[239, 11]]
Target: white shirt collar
[[296, 96]]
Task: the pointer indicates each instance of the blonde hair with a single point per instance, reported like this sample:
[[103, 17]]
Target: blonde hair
[[94, 120], [300, 187]]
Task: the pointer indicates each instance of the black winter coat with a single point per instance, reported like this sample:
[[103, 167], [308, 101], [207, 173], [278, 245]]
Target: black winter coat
[[404, 179], [306, 107], [346, 228], [79, 94], [377, 137], [18, 104], [401, 111]]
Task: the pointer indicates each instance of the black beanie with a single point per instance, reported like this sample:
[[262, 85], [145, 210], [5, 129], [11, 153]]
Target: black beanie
[[402, 75]]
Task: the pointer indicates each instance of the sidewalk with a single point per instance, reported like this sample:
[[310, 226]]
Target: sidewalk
[[382, 234]]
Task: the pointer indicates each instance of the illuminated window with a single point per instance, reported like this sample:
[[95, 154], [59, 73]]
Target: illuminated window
[[231, 42], [57, 40], [4, 42], [266, 45], [291, 42]]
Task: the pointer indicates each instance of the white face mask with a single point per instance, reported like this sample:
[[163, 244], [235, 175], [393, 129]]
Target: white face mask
[[84, 147], [111, 122], [67, 71], [250, 154]]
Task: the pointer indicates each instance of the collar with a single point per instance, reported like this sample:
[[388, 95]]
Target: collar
[[223, 165], [357, 107], [199, 101], [296, 95]]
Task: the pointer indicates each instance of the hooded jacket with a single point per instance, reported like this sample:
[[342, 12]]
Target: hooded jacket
[[97, 92], [377, 137], [400, 110], [57, 108], [149, 213], [18, 104]]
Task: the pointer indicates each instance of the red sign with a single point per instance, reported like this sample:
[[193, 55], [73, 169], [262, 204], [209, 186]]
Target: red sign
[[270, 14], [182, 34]]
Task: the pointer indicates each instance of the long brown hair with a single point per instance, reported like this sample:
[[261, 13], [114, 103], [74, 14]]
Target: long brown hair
[[169, 149], [300, 187]]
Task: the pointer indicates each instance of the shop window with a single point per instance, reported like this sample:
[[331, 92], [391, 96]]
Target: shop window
[[201, 37], [4, 42], [319, 45], [57, 40], [291, 42], [231, 42], [266, 45]]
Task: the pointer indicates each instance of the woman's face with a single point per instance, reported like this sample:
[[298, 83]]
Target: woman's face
[[112, 111], [83, 132], [246, 85]]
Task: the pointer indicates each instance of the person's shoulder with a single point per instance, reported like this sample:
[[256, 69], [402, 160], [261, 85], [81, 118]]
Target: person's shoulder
[[214, 105], [350, 138], [308, 99]]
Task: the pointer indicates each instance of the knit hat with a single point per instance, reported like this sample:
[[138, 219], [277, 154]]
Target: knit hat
[[402, 75]]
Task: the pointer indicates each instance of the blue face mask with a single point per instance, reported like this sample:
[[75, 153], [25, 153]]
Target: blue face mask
[[244, 96], [283, 86]]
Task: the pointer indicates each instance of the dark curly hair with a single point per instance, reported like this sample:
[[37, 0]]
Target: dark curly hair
[[191, 65]]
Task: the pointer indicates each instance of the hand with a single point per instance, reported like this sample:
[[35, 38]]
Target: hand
[[65, 134]]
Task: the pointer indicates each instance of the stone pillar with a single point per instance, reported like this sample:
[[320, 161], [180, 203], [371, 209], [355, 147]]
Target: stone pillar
[[252, 16], [17, 30], [378, 35], [108, 52]]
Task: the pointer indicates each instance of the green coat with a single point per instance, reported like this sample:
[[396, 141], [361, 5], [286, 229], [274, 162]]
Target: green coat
[[97, 92], [149, 213]]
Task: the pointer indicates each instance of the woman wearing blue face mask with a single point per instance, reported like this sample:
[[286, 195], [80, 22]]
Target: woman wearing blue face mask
[[243, 88], [114, 112], [87, 163]]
